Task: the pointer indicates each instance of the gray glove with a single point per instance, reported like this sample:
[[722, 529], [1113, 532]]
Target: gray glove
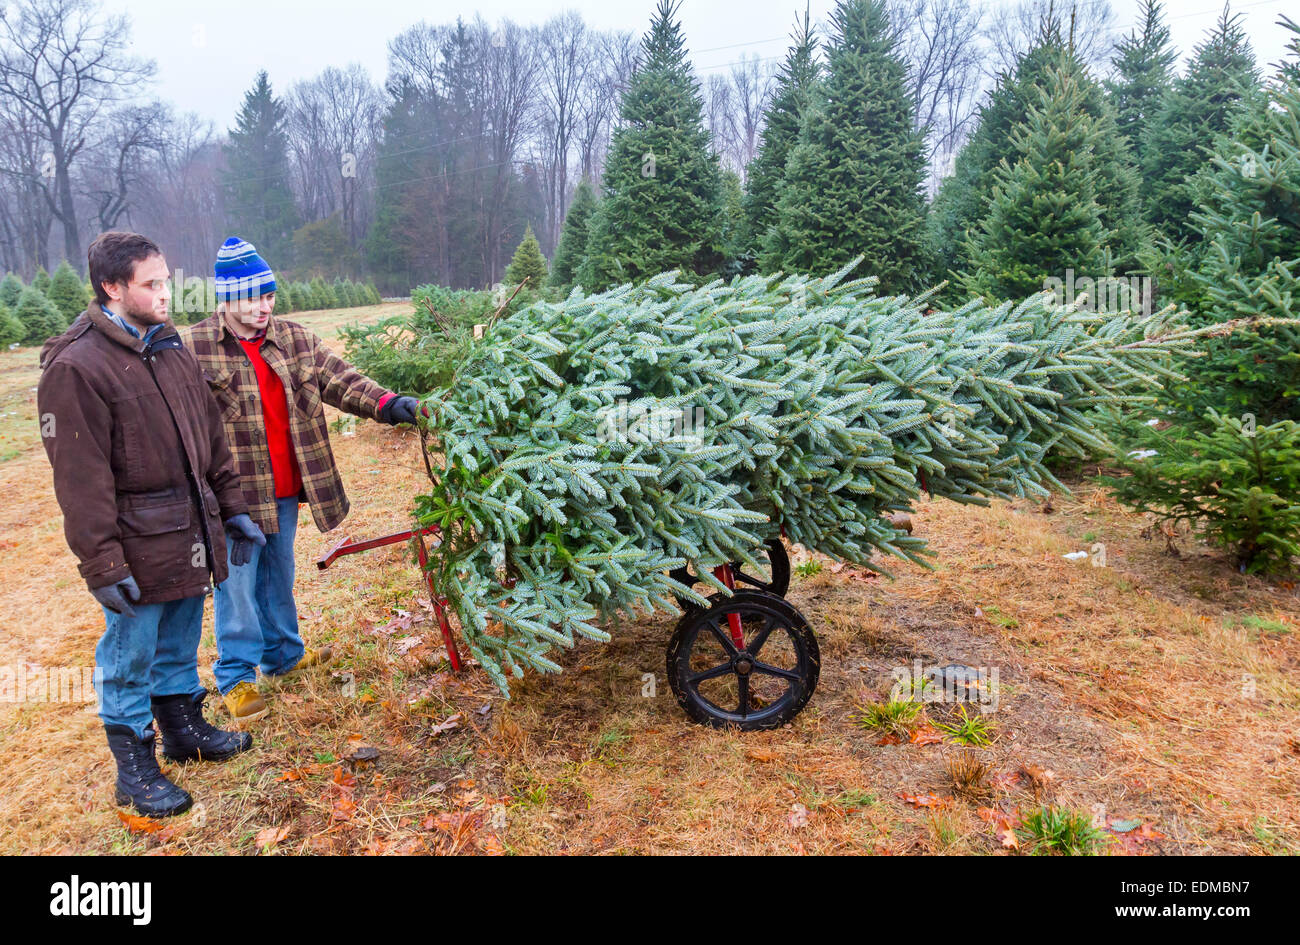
[[242, 533], [400, 410], [117, 597]]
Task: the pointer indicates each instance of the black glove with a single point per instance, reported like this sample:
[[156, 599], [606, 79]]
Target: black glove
[[401, 410], [242, 533], [117, 597]]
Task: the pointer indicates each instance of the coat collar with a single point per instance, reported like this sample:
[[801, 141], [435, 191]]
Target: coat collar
[[116, 333]]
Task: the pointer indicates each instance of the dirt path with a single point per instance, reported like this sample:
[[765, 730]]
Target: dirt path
[[1155, 690]]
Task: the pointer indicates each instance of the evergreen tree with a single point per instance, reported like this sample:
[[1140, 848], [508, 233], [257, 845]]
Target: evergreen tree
[[322, 295], [961, 208], [1043, 218], [795, 83], [281, 301], [527, 263], [259, 201], [40, 318], [573, 236], [1219, 449], [68, 292], [662, 184], [11, 329], [10, 288], [340, 290], [1199, 106], [41, 280], [1249, 221], [853, 182], [740, 257], [961, 204], [1143, 75]]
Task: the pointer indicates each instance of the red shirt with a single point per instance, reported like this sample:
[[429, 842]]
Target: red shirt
[[275, 414]]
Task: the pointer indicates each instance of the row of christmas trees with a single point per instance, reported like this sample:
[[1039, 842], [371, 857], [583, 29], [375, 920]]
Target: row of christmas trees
[[1191, 181], [29, 314]]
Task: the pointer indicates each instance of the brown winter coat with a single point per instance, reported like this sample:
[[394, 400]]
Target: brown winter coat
[[110, 414]]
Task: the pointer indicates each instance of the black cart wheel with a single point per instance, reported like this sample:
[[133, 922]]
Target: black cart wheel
[[774, 577], [765, 684]]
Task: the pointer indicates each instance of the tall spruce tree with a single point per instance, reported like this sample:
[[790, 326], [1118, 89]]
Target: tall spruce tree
[[1196, 108], [259, 201], [1220, 447], [662, 199], [1043, 218], [853, 182], [1250, 221], [781, 122], [573, 236], [1143, 74], [961, 206]]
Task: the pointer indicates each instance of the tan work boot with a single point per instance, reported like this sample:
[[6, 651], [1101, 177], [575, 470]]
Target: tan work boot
[[310, 657], [245, 704]]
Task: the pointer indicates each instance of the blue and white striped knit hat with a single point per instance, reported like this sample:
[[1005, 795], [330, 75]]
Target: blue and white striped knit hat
[[240, 272]]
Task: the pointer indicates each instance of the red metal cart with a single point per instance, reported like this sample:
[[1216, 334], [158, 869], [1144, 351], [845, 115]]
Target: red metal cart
[[749, 660]]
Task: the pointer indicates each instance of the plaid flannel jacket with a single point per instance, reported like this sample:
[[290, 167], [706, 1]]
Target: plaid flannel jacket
[[312, 375]]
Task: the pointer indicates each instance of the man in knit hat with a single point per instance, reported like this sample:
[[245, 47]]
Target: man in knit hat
[[271, 378]]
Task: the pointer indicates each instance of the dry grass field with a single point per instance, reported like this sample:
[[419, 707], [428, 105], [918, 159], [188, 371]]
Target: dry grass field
[[1157, 696]]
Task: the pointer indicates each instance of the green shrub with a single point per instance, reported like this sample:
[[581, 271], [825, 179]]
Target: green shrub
[[401, 358], [1054, 830]]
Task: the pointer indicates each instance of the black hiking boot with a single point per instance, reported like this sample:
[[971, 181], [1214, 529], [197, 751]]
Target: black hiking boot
[[140, 782], [188, 736]]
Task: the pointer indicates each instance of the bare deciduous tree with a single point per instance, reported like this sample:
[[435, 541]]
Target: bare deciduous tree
[[567, 63], [734, 104], [1086, 25], [333, 125], [939, 40], [65, 65]]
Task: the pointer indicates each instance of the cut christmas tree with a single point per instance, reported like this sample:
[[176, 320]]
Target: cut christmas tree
[[588, 447]]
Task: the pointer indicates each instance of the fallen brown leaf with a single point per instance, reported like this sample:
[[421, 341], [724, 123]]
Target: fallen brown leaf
[[270, 836]]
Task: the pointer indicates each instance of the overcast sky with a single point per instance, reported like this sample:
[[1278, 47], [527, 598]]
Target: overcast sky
[[208, 52]]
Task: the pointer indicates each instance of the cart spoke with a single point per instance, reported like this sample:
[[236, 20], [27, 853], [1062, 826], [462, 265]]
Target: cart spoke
[[756, 642], [728, 645], [769, 670], [720, 670], [743, 686]]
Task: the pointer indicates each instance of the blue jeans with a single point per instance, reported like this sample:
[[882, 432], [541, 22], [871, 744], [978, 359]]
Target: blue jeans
[[154, 653], [256, 618]]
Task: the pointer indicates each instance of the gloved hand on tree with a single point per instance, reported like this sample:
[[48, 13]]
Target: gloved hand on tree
[[242, 533], [400, 410], [117, 597]]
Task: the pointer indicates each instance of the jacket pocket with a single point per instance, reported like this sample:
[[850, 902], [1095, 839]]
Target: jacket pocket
[[223, 388], [154, 513], [307, 395]]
